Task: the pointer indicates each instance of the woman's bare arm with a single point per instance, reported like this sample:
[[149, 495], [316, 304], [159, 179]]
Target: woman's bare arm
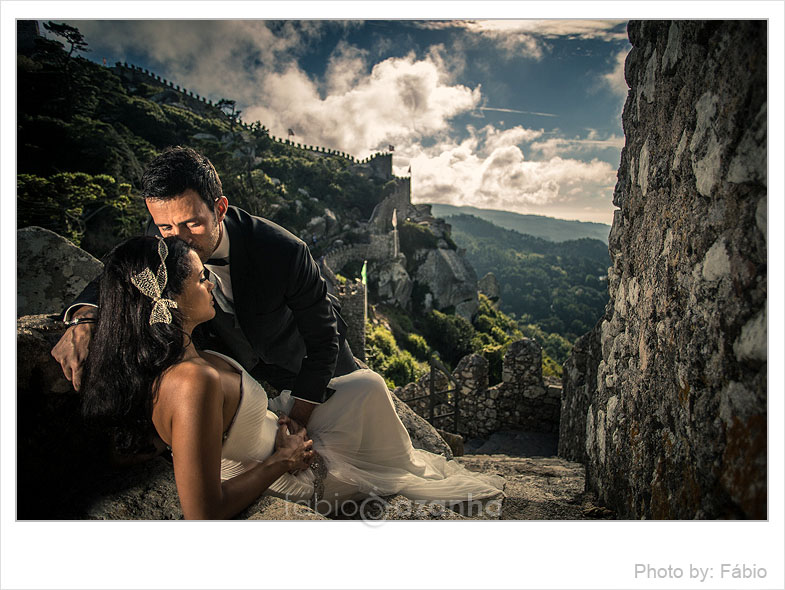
[[197, 428]]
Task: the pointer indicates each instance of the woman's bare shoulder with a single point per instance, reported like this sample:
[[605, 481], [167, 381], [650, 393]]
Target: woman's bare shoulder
[[190, 379]]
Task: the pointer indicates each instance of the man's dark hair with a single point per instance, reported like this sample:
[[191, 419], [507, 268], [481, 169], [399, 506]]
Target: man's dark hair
[[178, 169]]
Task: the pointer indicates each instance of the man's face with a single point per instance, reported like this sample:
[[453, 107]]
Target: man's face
[[189, 218]]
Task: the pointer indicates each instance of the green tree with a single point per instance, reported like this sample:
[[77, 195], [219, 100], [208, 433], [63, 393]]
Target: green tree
[[63, 202], [398, 367], [451, 335], [77, 42], [228, 108], [72, 35]]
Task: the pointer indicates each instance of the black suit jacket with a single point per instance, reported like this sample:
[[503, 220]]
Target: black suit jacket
[[281, 304]]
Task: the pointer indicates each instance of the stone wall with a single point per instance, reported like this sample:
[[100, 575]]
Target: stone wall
[[411, 391], [520, 401], [676, 427], [579, 386], [525, 401], [352, 297], [399, 199], [380, 247], [381, 165]]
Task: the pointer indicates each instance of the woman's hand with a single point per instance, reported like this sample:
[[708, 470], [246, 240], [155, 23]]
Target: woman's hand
[[296, 450]]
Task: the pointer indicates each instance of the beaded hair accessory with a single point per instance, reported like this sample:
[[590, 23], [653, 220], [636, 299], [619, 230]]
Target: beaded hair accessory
[[153, 286]]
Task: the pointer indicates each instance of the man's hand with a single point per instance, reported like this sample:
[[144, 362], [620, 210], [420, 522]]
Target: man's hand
[[301, 412], [293, 426], [72, 349], [294, 445]]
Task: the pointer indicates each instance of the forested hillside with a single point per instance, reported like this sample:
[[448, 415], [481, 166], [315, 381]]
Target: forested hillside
[[86, 132], [559, 287]]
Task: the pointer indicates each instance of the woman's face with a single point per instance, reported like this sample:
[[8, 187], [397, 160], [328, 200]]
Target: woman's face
[[195, 301]]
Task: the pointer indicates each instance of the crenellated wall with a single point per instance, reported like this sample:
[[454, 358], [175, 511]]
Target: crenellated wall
[[671, 386], [378, 164], [521, 401], [352, 298]]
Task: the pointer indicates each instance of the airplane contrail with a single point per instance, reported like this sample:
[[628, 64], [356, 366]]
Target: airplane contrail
[[514, 111]]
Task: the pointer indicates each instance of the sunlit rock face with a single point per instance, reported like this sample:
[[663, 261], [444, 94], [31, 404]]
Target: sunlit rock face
[[51, 272], [449, 277], [489, 286], [672, 416]]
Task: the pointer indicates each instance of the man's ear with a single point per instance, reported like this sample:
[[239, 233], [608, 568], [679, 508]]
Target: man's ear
[[221, 207]]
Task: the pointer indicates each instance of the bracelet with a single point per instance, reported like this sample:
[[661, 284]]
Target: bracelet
[[77, 321]]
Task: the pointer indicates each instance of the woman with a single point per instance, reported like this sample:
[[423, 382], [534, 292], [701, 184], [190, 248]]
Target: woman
[[228, 445]]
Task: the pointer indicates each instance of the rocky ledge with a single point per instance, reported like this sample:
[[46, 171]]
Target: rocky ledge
[[537, 488]]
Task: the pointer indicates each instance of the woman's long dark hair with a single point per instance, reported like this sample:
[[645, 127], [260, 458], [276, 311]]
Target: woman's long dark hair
[[127, 353]]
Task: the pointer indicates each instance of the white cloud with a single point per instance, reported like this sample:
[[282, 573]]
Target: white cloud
[[614, 79], [402, 99], [606, 30], [528, 38], [255, 63], [559, 146], [219, 58], [451, 62], [496, 139], [345, 68], [488, 170]]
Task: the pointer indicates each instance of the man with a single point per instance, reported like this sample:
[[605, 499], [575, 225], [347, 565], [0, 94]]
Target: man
[[273, 312]]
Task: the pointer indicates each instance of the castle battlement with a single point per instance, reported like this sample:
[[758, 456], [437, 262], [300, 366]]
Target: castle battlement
[[379, 162]]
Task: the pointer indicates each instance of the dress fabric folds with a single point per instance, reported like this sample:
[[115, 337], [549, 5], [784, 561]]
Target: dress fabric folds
[[364, 448]]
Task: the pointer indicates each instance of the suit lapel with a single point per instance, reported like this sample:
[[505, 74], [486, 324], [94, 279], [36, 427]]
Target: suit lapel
[[239, 265]]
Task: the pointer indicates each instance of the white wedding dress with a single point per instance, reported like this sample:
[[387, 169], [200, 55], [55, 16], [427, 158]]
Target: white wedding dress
[[364, 448]]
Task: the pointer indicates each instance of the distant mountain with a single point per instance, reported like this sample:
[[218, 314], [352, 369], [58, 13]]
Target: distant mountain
[[547, 228]]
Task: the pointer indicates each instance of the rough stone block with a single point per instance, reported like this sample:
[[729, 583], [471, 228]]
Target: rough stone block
[[52, 271]]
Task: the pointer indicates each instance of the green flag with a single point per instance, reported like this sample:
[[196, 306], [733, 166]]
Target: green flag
[[363, 272]]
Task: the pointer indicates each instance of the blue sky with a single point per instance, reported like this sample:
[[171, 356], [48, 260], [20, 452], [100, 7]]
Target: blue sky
[[518, 115]]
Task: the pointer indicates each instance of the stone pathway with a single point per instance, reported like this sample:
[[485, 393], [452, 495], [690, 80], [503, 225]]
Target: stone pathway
[[540, 485], [539, 488]]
